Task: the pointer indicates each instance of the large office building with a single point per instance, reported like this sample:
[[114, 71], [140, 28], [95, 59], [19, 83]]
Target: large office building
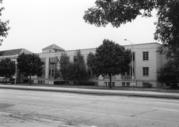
[[144, 68], [146, 63]]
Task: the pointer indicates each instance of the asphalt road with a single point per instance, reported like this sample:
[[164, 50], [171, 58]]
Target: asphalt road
[[50, 109]]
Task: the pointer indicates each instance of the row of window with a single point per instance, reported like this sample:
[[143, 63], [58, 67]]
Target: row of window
[[145, 56], [145, 71]]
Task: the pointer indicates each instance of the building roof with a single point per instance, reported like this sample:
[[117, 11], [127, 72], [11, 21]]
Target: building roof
[[53, 46], [149, 43], [10, 52], [13, 52]]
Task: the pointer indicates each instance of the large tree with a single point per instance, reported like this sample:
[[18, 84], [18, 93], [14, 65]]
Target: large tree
[[74, 71], [119, 12], [29, 65], [3, 26], [169, 74], [110, 59], [7, 68], [65, 67], [91, 64], [80, 70]]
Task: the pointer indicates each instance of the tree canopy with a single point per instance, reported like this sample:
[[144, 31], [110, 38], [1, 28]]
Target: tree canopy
[[29, 64], [110, 59], [3, 25], [119, 12], [91, 64], [169, 73], [74, 71], [65, 67], [80, 70], [7, 68]]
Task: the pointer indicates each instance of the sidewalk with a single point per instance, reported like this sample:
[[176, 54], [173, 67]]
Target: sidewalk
[[95, 91]]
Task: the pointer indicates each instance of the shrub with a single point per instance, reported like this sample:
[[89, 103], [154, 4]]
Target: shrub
[[73, 71], [168, 75], [147, 85], [61, 82], [85, 83]]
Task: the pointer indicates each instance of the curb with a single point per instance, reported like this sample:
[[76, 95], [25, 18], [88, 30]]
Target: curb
[[96, 92]]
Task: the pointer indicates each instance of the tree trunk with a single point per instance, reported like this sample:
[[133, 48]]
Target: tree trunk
[[110, 81]]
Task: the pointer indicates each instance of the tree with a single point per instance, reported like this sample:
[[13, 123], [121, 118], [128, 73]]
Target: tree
[[119, 12], [90, 63], [7, 68], [29, 65], [110, 59], [80, 70], [75, 71], [3, 26], [169, 74], [65, 67]]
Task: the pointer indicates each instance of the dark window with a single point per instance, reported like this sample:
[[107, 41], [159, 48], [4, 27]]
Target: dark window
[[123, 84], [52, 73], [127, 84], [49, 72], [145, 55], [145, 71], [74, 59]]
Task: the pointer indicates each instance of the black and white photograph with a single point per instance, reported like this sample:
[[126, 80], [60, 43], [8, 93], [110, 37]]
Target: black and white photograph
[[89, 63]]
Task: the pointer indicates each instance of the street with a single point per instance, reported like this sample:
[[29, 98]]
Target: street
[[20, 108]]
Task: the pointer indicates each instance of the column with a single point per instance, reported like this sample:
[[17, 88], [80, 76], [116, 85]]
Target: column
[[47, 68]]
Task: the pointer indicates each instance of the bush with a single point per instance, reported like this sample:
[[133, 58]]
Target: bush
[[168, 75], [172, 85], [147, 85], [60, 82], [73, 71], [85, 83]]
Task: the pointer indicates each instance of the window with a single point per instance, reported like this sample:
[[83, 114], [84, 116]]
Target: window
[[145, 71], [145, 55], [53, 60], [123, 84]]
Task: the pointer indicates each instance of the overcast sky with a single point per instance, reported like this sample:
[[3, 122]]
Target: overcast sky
[[36, 24]]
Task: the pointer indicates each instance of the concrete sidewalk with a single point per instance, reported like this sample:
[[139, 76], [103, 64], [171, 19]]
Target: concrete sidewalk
[[95, 91]]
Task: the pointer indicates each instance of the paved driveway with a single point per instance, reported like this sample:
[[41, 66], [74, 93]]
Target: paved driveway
[[51, 109]]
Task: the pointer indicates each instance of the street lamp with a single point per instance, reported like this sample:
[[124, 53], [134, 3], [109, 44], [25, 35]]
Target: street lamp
[[132, 62]]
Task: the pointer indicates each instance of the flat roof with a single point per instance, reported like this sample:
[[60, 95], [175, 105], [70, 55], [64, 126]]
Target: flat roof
[[10, 52]]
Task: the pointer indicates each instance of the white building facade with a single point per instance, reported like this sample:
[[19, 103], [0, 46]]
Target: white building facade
[[146, 63]]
